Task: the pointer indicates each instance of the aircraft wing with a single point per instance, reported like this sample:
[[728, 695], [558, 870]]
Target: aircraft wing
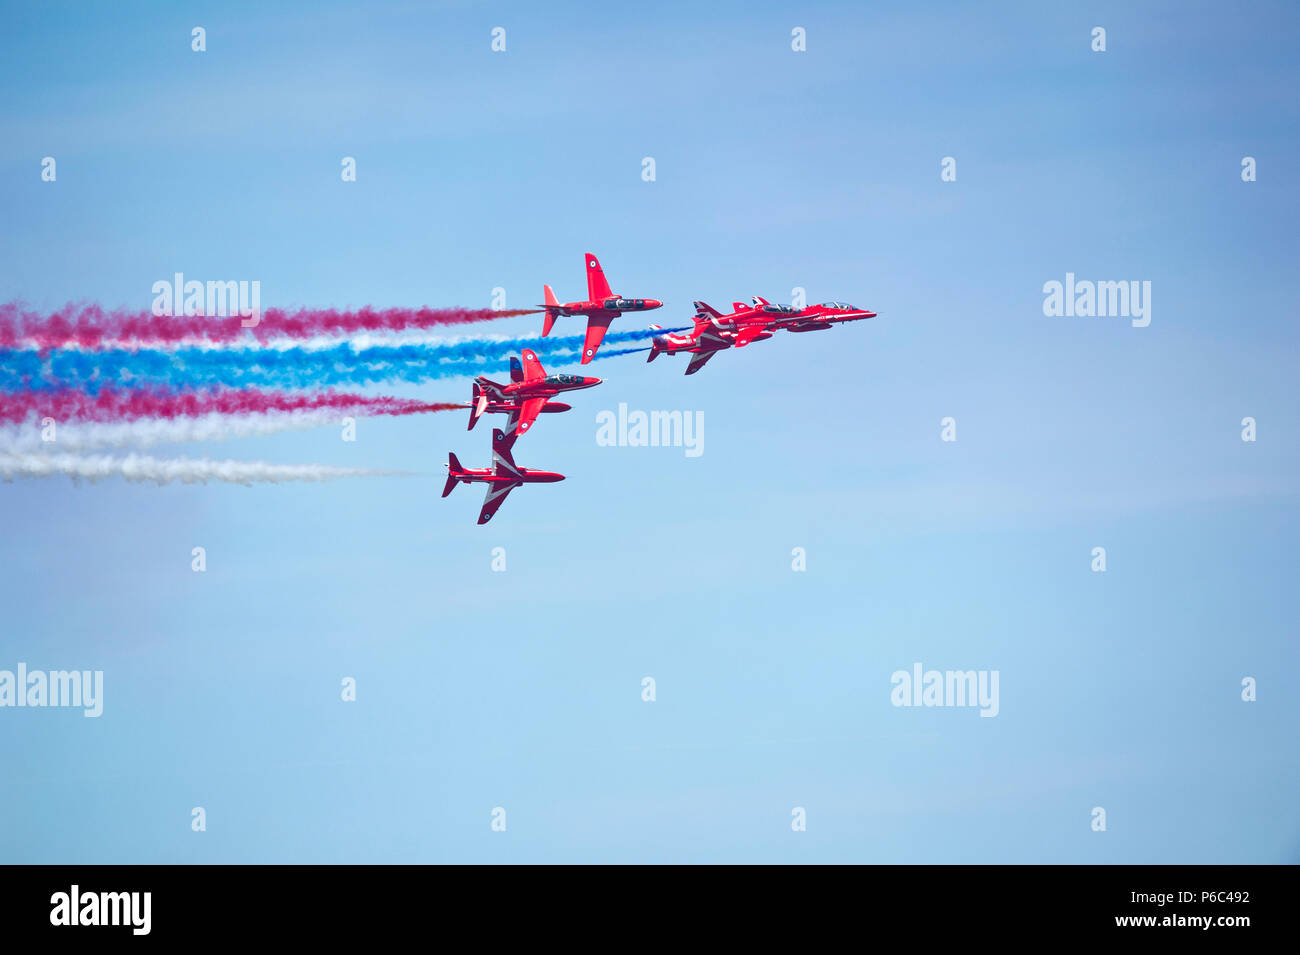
[[528, 414], [503, 462], [751, 333], [496, 496], [597, 287], [532, 367], [596, 328], [698, 360], [809, 324], [712, 339]]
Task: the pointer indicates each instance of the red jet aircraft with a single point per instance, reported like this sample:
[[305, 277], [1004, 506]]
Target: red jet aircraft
[[526, 396], [501, 478], [714, 332], [703, 341], [601, 308], [810, 318]]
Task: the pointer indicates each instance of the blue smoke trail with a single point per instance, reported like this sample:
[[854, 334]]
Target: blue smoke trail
[[188, 368]]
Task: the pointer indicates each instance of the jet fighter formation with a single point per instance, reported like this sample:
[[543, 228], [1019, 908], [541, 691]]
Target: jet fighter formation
[[531, 389], [527, 396]]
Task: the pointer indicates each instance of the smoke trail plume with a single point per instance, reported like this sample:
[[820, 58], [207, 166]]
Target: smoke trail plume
[[140, 468], [120, 404], [192, 368], [93, 326], [31, 437]]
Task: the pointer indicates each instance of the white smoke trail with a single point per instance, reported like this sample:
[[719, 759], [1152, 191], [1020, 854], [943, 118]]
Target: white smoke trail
[[146, 432], [136, 467]]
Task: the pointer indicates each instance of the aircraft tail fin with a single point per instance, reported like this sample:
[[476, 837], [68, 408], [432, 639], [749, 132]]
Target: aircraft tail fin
[[453, 466], [655, 345], [552, 309], [477, 405]]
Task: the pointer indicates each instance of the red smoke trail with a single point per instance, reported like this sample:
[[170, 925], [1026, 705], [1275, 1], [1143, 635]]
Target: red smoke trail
[[123, 405], [90, 325]]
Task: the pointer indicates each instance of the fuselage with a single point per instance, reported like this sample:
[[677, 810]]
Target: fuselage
[[609, 308], [813, 316], [787, 316], [547, 387], [489, 476]]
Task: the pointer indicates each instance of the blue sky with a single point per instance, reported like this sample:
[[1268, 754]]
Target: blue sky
[[774, 170]]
